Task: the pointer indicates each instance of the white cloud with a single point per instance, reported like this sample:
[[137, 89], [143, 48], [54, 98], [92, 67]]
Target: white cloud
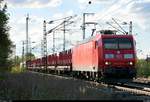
[[18, 31], [126, 10], [141, 13], [34, 3], [84, 4], [94, 1]]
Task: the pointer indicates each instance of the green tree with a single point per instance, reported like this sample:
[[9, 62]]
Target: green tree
[[17, 60], [30, 56], [5, 42]]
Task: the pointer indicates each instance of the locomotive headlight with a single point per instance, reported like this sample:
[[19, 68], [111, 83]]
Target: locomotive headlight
[[107, 63], [131, 63]]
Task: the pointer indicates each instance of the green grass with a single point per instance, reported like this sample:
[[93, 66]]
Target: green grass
[[17, 69], [143, 68]]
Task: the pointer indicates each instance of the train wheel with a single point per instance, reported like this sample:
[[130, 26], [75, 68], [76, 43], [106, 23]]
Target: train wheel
[[91, 76], [59, 72], [97, 76], [80, 74], [88, 74], [94, 76], [75, 74]]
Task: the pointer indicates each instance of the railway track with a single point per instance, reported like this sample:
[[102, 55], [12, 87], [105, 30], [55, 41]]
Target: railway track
[[142, 81], [131, 86], [134, 90]]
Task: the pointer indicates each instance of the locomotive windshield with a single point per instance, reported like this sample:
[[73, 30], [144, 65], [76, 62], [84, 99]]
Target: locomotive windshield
[[117, 43], [110, 43]]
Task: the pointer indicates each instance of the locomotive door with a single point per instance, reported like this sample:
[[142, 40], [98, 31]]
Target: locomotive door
[[95, 56]]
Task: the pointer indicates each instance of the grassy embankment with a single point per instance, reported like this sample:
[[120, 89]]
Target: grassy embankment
[[143, 68]]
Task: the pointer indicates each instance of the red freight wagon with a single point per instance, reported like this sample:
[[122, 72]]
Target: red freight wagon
[[49, 60], [55, 59], [60, 59], [38, 62], [70, 57]]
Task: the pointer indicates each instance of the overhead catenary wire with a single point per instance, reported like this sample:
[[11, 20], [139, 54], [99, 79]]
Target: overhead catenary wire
[[115, 27], [119, 25], [59, 26], [66, 19], [63, 25], [111, 11]]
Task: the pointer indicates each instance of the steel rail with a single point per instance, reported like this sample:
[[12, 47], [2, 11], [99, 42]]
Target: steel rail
[[131, 86], [135, 91]]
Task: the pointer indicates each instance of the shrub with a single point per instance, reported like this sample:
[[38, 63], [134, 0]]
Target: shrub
[[17, 69], [143, 68]]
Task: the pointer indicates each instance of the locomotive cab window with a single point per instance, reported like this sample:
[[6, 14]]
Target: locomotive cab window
[[125, 43], [110, 43], [117, 43]]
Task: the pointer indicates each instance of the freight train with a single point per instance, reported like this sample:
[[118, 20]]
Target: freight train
[[106, 54]]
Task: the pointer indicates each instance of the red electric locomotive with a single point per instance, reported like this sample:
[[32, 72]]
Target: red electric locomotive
[[105, 55]]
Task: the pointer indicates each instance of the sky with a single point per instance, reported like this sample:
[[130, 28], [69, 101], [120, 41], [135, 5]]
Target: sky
[[136, 11]]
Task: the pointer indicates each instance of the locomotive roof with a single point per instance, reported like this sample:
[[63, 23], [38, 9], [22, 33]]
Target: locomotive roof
[[86, 40], [97, 36]]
